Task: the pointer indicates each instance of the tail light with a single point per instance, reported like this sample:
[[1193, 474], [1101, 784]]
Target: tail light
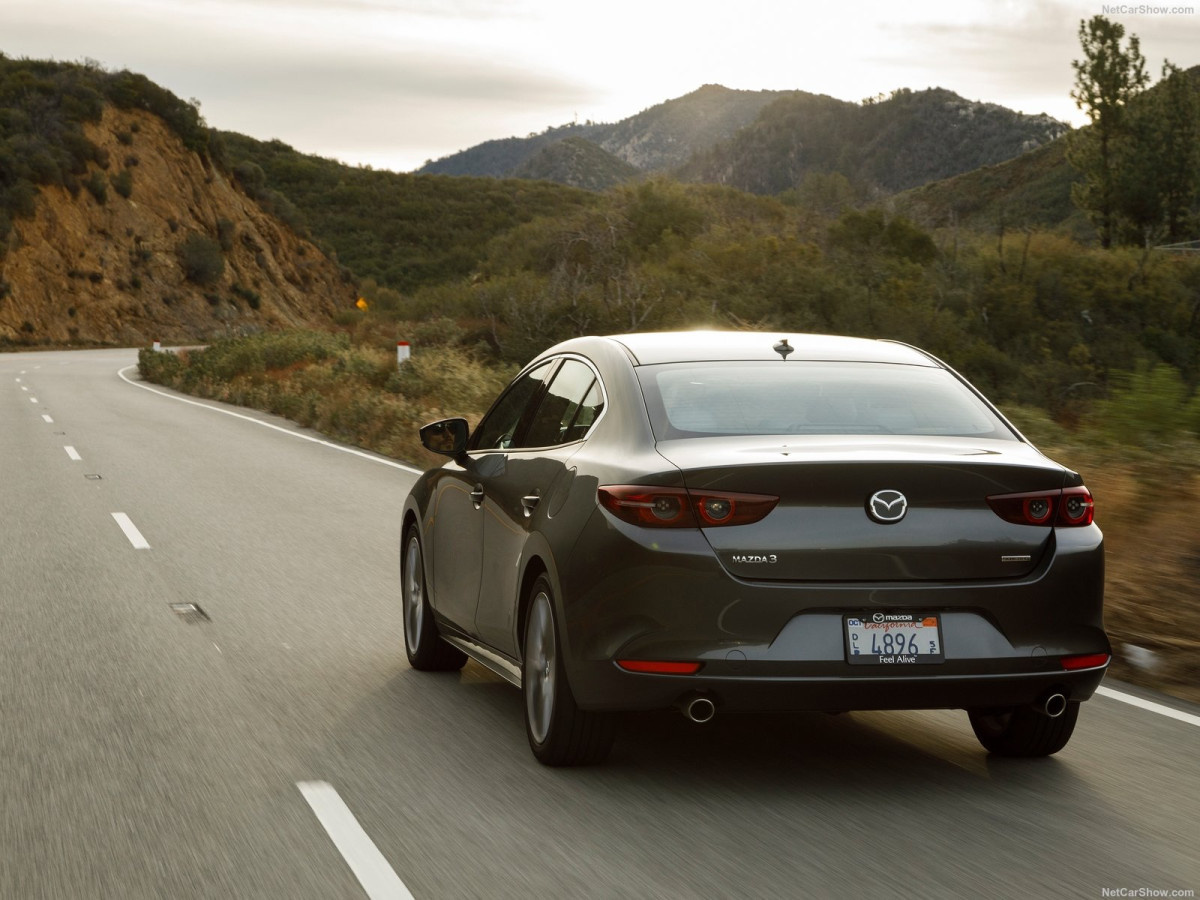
[[657, 667], [1067, 508], [1086, 661], [672, 507]]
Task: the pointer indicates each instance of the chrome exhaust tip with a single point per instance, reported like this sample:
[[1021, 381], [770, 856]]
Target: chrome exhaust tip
[[699, 710], [1054, 705]]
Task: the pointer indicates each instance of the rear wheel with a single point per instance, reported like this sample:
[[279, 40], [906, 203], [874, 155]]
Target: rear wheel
[[426, 651], [1023, 731], [560, 733]]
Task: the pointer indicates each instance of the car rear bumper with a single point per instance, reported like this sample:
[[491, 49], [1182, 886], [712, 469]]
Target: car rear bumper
[[606, 686], [767, 646]]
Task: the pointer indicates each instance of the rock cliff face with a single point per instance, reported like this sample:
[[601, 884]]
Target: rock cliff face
[[107, 265]]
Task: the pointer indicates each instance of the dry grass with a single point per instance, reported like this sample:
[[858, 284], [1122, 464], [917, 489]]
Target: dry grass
[[1152, 556]]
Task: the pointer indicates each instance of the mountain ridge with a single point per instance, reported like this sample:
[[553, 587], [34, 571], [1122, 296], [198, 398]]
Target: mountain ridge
[[767, 141]]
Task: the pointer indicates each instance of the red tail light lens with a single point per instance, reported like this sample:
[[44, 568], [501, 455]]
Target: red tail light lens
[[656, 667], [1090, 661], [672, 507], [1068, 508]]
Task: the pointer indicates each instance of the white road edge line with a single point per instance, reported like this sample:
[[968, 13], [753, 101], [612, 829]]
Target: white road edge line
[[47, 420], [1149, 705], [131, 531], [368, 864], [296, 434], [73, 453]]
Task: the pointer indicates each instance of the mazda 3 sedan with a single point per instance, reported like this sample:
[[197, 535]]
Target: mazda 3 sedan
[[725, 521]]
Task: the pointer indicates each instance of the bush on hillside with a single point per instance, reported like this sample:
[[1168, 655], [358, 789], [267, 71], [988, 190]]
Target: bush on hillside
[[201, 259]]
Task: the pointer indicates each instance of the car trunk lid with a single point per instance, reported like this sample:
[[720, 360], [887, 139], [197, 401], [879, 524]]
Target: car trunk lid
[[934, 491]]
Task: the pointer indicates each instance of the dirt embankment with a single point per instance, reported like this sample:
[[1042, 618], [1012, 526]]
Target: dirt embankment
[[100, 267]]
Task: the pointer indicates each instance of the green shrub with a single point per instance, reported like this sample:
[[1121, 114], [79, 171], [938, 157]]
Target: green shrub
[[226, 231], [122, 183], [161, 368], [201, 259], [252, 297], [439, 332], [97, 186], [1146, 408]]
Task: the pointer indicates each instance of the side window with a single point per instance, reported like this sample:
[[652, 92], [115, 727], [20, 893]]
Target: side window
[[568, 408], [499, 426], [589, 412]]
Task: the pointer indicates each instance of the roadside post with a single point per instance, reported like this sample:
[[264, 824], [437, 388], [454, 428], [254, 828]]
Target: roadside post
[[403, 351]]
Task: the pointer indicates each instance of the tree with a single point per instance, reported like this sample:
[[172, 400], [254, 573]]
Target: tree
[[1106, 79], [1177, 141], [1159, 161]]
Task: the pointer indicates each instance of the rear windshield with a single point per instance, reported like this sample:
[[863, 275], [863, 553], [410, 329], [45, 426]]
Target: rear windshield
[[722, 398]]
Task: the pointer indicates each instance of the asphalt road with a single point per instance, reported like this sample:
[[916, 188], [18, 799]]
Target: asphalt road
[[148, 751]]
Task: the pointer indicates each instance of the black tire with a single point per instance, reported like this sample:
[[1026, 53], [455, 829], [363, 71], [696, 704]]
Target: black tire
[[1022, 731], [426, 650], [559, 732]]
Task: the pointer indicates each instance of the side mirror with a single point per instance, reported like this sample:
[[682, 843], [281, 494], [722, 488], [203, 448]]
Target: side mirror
[[447, 436]]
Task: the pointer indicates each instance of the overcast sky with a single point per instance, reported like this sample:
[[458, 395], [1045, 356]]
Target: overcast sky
[[392, 83]]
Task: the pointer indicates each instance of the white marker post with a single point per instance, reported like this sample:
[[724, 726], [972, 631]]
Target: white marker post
[[157, 348], [403, 351]]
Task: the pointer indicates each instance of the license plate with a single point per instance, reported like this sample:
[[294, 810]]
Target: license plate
[[893, 639]]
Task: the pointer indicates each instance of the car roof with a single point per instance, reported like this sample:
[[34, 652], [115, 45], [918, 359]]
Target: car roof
[[654, 348]]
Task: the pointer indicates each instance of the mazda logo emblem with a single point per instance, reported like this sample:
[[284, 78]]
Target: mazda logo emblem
[[887, 507]]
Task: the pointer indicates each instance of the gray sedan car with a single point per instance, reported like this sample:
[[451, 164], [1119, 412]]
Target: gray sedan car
[[724, 521]]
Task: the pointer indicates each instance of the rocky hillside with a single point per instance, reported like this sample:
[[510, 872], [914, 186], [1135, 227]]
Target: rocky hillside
[[155, 242], [666, 136]]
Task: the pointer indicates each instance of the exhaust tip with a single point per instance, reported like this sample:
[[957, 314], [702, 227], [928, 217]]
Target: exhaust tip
[[1054, 705], [699, 710]]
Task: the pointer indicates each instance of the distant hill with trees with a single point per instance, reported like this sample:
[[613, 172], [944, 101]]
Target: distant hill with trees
[[398, 229], [579, 162], [768, 142], [655, 140], [1154, 178], [882, 146]]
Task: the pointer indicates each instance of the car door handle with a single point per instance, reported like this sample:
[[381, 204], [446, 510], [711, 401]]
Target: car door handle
[[477, 496], [529, 502]]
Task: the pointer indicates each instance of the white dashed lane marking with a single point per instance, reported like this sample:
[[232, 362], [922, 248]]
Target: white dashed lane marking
[[73, 453], [366, 862], [131, 531]]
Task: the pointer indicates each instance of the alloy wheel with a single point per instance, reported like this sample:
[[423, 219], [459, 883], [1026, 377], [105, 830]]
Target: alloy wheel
[[540, 667]]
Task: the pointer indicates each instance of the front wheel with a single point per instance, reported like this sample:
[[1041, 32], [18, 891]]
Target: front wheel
[[1022, 730], [559, 732], [425, 649]]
